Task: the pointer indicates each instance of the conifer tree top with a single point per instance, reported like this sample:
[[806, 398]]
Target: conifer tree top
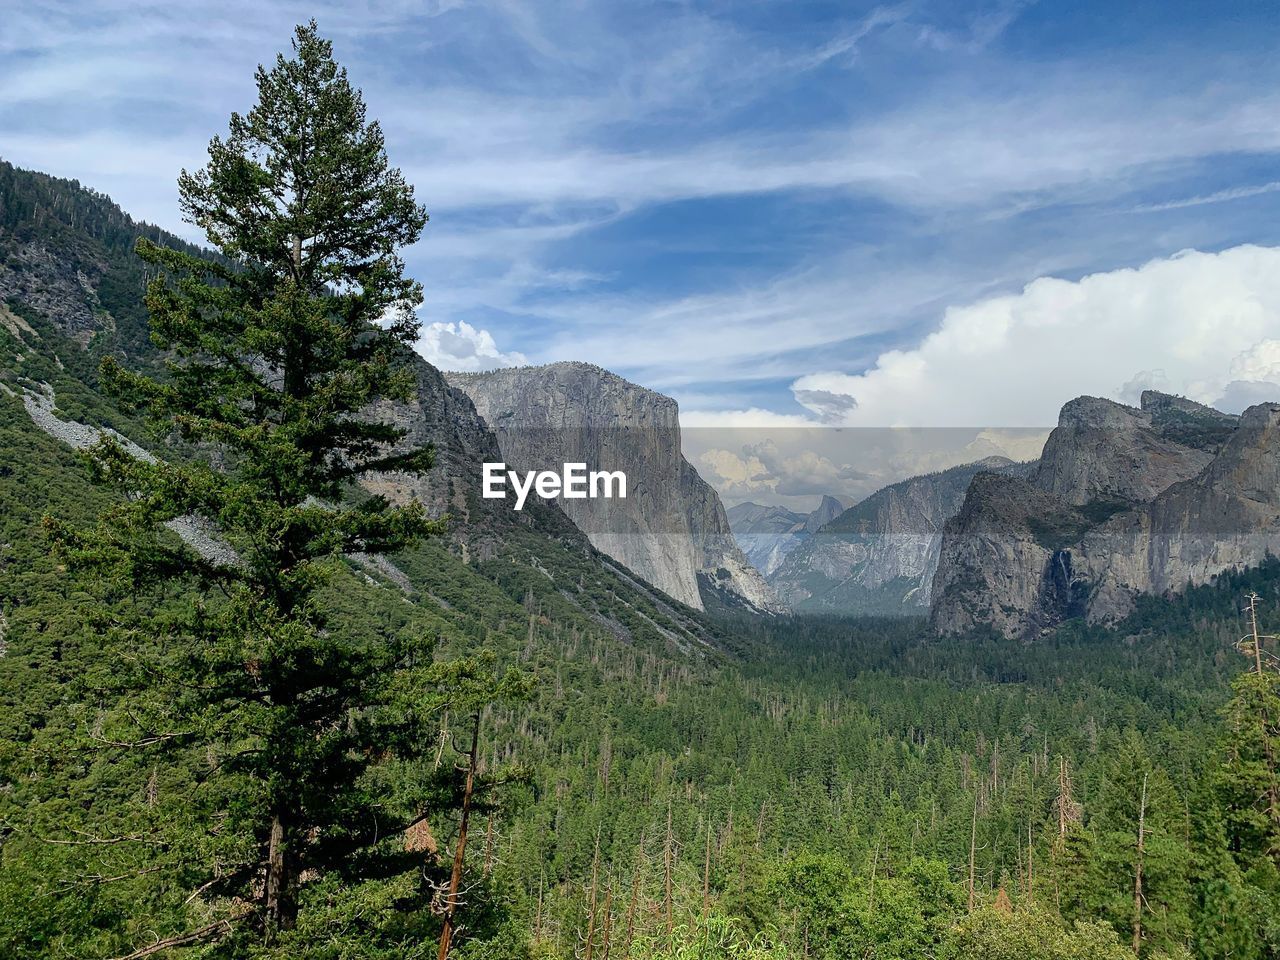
[[301, 186]]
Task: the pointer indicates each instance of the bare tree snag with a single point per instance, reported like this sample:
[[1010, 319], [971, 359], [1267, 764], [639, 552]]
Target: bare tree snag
[[460, 850], [706, 873], [973, 848], [1137, 870], [592, 901], [635, 897], [607, 933], [667, 856]]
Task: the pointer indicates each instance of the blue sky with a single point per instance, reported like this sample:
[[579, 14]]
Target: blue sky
[[764, 209]]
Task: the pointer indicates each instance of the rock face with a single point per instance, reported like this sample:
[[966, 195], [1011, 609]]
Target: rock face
[[65, 292], [445, 418], [1226, 517], [1105, 452], [997, 559], [1125, 502], [768, 534], [879, 556], [828, 510], [671, 528]]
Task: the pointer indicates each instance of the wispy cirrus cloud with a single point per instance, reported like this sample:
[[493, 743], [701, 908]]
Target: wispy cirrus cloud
[[1218, 196], [715, 200]]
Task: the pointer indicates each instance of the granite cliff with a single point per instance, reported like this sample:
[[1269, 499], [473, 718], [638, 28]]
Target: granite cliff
[[879, 556], [1125, 501], [767, 534], [671, 528]]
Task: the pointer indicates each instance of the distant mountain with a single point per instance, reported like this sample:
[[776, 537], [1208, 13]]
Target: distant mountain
[[828, 510], [1126, 501], [747, 518], [671, 528], [879, 556], [768, 534]]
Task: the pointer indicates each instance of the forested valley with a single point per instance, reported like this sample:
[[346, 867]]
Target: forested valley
[[519, 752]]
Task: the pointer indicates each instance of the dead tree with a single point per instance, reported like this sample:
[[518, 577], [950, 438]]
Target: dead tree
[[1253, 642], [706, 873], [606, 937], [1137, 869], [973, 849], [460, 849], [592, 901], [1065, 806], [668, 855], [635, 896]]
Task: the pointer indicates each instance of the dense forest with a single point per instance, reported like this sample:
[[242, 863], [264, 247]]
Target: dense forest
[[517, 755]]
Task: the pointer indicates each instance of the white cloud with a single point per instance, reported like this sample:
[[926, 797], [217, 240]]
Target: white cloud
[[1220, 196], [1254, 377], [1194, 321], [460, 346], [736, 475], [751, 418], [767, 471]]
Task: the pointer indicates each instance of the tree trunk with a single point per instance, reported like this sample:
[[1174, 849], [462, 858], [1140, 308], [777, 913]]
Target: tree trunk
[[1273, 798], [973, 848], [706, 874], [591, 913], [871, 894], [459, 853], [667, 855], [277, 895], [1031, 863], [1137, 871], [608, 918], [635, 897]]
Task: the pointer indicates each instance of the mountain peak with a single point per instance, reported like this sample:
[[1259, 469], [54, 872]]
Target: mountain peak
[[671, 528]]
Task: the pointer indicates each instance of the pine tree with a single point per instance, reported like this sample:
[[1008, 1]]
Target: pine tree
[[1141, 859], [277, 352], [1246, 784]]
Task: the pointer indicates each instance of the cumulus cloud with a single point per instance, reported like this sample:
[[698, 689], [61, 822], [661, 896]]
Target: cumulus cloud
[[737, 475], [765, 469], [830, 407], [748, 419], [1194, 323], [460, 346], [1255, 378], [1020, 445]]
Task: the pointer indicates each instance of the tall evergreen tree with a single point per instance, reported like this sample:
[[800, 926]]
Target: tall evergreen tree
[[276, 353], [1246, 782]]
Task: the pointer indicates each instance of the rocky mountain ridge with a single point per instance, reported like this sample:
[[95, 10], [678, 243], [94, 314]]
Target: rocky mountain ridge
[[1125, 501], [671, 528], [879, 556], [767, 534]]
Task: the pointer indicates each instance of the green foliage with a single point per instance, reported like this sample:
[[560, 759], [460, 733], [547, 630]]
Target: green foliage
[[708, 938], [315, 740], [1032, 935]]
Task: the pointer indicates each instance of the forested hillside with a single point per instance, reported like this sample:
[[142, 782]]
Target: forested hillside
[[833, 753], [522, 745]]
